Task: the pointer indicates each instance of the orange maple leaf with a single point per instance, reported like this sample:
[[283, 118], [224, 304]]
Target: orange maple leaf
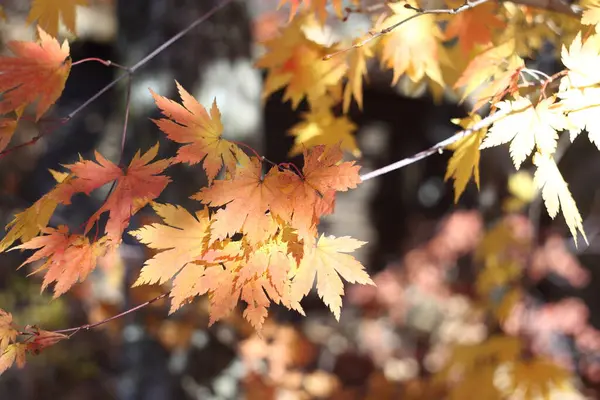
[[135, 187], [324, 261], [190, 124], [313, 194], [247, 196], [474, 26], [47, 13], [69, 258], [38, 72]]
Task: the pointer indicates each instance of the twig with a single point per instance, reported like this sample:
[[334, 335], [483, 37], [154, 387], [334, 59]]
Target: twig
[[438, 147], [87, 327]]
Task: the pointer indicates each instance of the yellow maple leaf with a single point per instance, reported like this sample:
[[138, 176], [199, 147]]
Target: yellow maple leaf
[[320, 126], [325, 261], [297, 63], [526, 127], [583, 62], [357, 69], [464, 162], [490, 74], [28, 223], [182, 238], [534, 378], [411, 48], [556, 194], [47, 13], [591, 12], [581, 107], [8, 333], [13, 354]]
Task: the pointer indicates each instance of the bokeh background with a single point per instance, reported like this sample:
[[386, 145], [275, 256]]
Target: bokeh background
[[391, 338]]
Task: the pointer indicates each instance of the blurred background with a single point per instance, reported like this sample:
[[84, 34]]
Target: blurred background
[[423, 252]]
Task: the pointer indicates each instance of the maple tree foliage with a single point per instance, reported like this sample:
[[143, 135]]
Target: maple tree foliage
[[254, 238]]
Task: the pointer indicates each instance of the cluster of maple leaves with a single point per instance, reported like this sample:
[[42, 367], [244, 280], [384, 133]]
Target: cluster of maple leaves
[[255, 238]]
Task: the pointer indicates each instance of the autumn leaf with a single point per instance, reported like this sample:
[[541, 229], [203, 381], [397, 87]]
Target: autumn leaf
[[69, 257], [183, 237], [526, 127], [7, 129], [248, 197], [42, 339], [313, 194], [327, 262], [581, 107], [536, 377], [321, 127], [317, 6], [47, 13], [491, 74], [8, 333], [556, 194], [37, 72], [583, 62], [28, 223], [473, 27], [190, 124], [357, 69], [591, 12], [411, 48], [135, 187], [13, 354], [464, 162], [296, 63]]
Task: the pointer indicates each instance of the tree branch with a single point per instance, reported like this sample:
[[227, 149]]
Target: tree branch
[[86, 327], [438, 147]]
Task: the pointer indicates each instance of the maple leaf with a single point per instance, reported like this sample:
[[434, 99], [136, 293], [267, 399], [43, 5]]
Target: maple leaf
[[527, 127], [583, 62], [493, 72], [42, 339], [464, 162], [327, 262], [264, 277], [321, 127], [47, 13], [474, 26], [581, 107], [7, 129], [38, 72], [14, 353], [183, 238], [556, 194], [313, 194], [69, 258], [296, 63], [537, 377], [135, 187], [247, 196], [190, 124], [8, 333], [411, 48], [28, 223], [318, 6], [357, 69], [591, 12]]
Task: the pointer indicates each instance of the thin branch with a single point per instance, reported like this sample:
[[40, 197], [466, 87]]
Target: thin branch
[[86, 327], [126, 119], [437, 148]]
